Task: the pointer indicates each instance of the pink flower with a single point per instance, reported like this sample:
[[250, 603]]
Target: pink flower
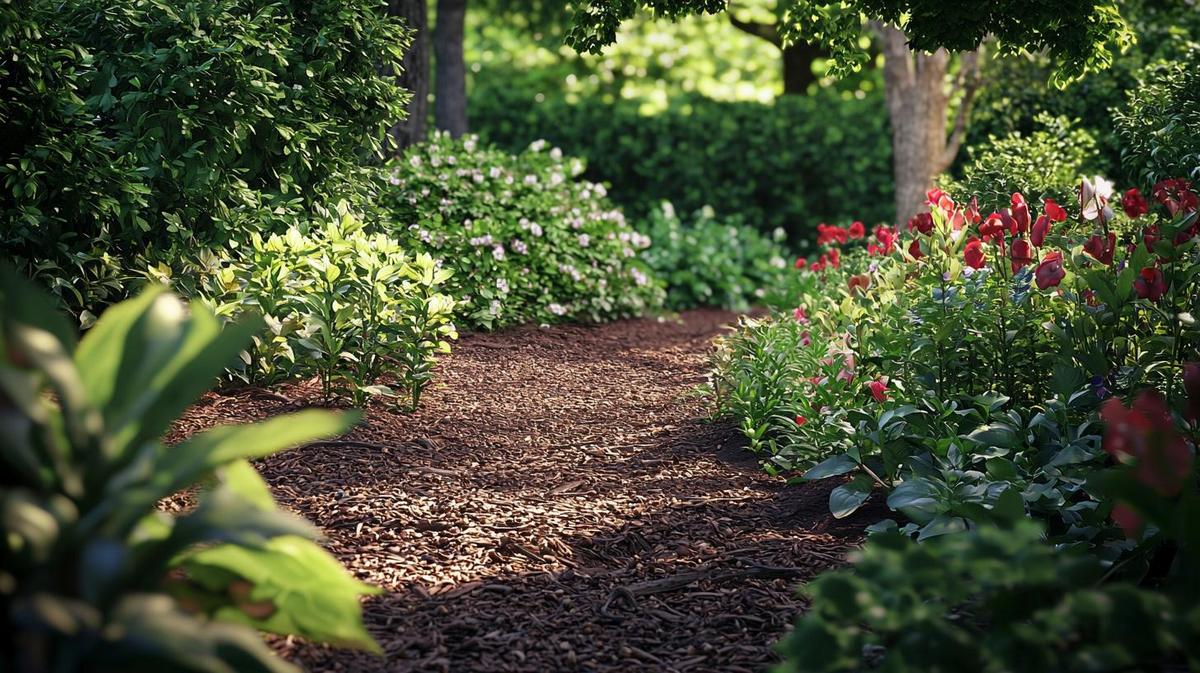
[[1050, 272], [800, 315], [878, 389]]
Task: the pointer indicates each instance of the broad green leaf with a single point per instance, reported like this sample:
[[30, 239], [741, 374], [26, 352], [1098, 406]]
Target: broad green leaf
[[847, 498], [830, 467]]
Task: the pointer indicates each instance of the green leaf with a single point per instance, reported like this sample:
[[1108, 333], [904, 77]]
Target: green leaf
[[830, 467], [847, 498], [917, 499]]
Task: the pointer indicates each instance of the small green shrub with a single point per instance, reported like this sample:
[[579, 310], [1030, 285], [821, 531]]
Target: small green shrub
[[789, 164], [93, 576], [713, 261], [344, 305], [1046, 163], [527, 242], [1160, 126]]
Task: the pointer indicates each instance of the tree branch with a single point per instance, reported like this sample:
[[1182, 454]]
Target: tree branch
[[766, 31]]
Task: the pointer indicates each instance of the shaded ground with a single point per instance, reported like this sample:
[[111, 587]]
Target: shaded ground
[[559, 503]]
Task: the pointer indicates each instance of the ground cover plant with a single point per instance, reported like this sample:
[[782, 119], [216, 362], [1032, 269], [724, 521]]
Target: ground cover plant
[[527, 241], [92, 575]]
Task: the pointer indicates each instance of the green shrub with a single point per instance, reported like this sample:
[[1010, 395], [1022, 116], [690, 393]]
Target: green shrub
[[148, 127], [1046, 163], [527, 242], [341, 304], [1160, 125], [713, 261], [93, 576], [788, 164]]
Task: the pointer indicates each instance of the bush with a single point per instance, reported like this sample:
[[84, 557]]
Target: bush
[[1160, 126], [1046, 163], [526, 241], [341, 304], [788, 164], [146, 127], [959, 369], [713, 261], [93, 576]]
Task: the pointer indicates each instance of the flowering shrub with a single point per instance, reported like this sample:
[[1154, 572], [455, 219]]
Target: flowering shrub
[[1160, 125], [713, 261], [526, 240], [341, 304], [959, 366]]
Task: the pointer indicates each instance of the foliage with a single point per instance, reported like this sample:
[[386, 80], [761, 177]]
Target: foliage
[[959, 369], [1160, 126], [713, 261], [146, 128], [93, 576], [345, 305], [1078, 46], [994, 599], [1046, 163], [788, 164], [527, 242]]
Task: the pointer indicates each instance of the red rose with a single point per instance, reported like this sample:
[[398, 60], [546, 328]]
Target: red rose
[[1134, 204], [1054, 211], [1102, 249], [1040, 228], [1150, 284], [973, 254], [1050, 272], [857, 230], [1021, 254]]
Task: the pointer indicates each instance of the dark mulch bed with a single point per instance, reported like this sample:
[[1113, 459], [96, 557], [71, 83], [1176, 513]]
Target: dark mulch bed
[[560, 502]]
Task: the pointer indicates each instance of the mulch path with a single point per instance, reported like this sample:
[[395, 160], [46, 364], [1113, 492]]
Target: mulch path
[[561, 502]]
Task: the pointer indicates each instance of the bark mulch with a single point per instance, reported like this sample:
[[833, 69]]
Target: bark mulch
[[561, 502]]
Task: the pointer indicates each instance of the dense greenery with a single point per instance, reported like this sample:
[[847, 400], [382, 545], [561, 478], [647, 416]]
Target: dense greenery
[[141, 128], [92, 575], [526, 240], [788, 164], [1160, 127], [712, 261]]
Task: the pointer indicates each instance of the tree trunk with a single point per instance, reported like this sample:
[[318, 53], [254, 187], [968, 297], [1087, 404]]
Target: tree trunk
[[414, 74], [450, 100], [797, 67], [918, 102]]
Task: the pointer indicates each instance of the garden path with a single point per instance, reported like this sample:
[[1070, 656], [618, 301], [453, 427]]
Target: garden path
[[561, 502]]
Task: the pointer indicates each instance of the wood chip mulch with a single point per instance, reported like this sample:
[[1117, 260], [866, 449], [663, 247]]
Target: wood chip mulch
[[561, 502]]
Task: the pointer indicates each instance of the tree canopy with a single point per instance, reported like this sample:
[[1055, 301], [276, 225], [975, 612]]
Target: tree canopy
[[1081, 35]]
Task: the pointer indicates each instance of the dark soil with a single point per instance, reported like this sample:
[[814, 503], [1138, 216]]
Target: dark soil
[[560, 502]]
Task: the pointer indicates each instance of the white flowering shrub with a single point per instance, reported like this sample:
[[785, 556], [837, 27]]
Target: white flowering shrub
[[711, 260], [526, 239]]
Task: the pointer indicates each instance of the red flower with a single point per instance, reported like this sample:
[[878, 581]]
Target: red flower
[[994, 226], [1176, 195], [922, 222], [973, 254], [1054, 211], [1151, 237], [1150, 284], [1191, 386], [914, 249], [800, 315], [878, 389], [835, 258], [857, 230], [934, 197], [800, 420], [1134, 204], [1050, 272], [1102, 249], [1040, 228], [1147, 435], [1020, 213], [1130, 521], [860, 283], [1022, 254], [886, 237], [972, 215], [801, 262]]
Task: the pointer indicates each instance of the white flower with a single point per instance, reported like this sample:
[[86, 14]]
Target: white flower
[[537, 145], [638, 277], [668, 210], [478, 178], [451, 160], [469, 144], [498, 252], [556, 154], [519, 247], [584, 240], [531, 179], [415, 161], [601, 191], [502, 285], [1093, 199], [394, 180], [495, 307], [494, 172], [535, 229]]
